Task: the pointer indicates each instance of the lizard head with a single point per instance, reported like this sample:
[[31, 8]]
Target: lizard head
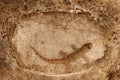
[[88, 45]]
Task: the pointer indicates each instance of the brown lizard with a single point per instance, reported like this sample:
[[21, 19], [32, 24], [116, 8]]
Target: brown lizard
[[70, 58]]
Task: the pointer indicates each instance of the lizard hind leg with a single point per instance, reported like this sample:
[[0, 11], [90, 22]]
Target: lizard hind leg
[[63, 54]]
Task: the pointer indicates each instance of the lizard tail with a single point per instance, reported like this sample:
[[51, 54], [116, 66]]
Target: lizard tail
[[47, 60]]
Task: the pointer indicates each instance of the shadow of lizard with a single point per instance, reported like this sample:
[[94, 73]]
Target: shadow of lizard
[[70, 58]]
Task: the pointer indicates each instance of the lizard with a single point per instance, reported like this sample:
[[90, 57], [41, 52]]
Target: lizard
[[70, 58]]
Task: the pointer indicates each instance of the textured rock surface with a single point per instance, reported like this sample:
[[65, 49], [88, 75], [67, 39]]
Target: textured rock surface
[[52, 26]]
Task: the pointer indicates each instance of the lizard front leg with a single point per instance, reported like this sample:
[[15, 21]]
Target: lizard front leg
[[85, 58], [68, 66]]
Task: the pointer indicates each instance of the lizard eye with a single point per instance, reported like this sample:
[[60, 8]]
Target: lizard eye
[[89, 46]]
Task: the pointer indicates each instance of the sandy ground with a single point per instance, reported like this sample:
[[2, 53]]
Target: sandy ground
[[53, 27]]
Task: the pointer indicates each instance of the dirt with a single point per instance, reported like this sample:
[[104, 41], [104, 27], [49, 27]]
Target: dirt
[[55, 26]]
